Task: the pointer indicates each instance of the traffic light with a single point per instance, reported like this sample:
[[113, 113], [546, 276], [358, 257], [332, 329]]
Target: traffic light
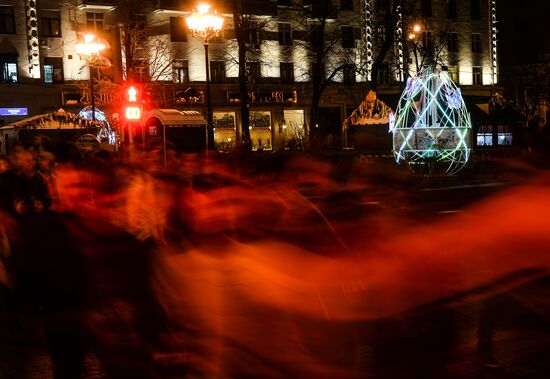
[[132, 109]]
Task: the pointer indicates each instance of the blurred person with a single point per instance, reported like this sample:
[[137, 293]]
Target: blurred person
[[46, 268], [25, 189]]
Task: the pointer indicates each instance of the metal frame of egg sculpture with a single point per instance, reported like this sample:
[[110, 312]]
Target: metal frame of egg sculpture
[[431, 127]]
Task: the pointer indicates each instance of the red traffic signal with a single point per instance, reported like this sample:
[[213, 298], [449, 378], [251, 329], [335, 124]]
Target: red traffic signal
[[132, 109]]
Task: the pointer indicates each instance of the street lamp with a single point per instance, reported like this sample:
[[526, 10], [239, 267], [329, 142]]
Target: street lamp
[[89, 50], [206, 25]]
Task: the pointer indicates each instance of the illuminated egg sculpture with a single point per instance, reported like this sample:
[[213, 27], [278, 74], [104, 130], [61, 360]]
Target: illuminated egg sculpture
[[431, 127]]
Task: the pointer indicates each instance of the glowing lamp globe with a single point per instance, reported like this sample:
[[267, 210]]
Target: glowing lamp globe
[[431, 127]]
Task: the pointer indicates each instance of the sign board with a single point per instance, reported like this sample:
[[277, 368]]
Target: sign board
[[13, 111]]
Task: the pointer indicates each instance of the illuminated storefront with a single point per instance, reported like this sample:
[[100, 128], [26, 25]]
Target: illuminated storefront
[[225, 133]]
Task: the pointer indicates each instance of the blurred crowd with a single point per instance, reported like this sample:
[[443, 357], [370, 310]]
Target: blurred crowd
[[185, 266]]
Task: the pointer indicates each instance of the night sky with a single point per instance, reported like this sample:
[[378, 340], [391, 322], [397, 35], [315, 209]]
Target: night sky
[[524, 30]]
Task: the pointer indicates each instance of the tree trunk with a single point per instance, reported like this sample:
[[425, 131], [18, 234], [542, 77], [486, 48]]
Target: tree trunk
[[240, 34]]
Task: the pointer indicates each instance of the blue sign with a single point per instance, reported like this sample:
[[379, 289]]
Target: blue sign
[[13, 111]]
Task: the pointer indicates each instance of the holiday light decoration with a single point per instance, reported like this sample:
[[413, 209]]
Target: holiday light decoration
[[432, 127]]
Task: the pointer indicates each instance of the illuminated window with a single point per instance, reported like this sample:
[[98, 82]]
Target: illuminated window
[[9, 70], [475, 8], [50, 24], [180, 71], [287, 72], [178, 31], [217, 72], [348, 74], [477, 78], [453, 73], [94, 21], [452, 42], [485, 136], [476, 43], [451, 10], [285, 34], [504, 136], [53, 70], [48, 73], [348, 40], [7, 20]]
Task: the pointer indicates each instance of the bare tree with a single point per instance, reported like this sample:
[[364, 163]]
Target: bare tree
[[391, 13]]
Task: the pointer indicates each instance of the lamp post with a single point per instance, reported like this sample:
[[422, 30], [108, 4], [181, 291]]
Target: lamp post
[[413, 36], [206, 25], [89, 50]]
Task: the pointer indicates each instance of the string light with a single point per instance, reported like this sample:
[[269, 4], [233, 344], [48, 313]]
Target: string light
[[432, 127]]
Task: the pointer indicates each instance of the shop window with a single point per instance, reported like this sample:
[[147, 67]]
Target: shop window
[[53, 70], [452, 42], [477, 76], [348, 74], [217, 72], [94, 21], [348, 40], [287, 72], [346, 5], [476, 43], [225, 135], [7, 20], [285, 34], [50, 24], [475, 7], [9, 70], [178, 31], [260, 130], [453, 73], [180, 71], [504, 136], [451, 10], [484, 136]]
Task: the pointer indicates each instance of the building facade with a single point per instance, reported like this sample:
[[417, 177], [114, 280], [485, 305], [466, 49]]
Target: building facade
[[148, 42]]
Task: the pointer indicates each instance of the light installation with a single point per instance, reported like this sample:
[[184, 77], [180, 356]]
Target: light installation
[[432, 127]]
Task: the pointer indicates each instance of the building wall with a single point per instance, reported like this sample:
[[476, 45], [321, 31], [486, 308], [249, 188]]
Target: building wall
[[266, 94]]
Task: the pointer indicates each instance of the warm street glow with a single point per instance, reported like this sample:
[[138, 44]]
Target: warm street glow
[[203, 24], [90, 46], [203, 8], [417, 28]]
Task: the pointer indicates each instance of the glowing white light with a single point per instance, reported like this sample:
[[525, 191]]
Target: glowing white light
[[432, 125]]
